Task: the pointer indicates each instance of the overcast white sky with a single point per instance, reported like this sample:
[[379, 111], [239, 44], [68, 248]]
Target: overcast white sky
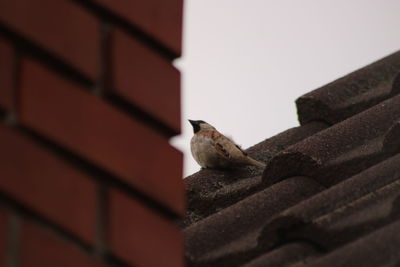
[[246, 61]]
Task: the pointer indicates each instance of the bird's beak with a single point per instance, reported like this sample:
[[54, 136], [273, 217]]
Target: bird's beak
[[193, 123]]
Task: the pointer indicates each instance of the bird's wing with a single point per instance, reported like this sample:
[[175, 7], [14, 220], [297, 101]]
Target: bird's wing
[[221, 144], [238, 147], [227, 147], [224, 146], [221, 150]]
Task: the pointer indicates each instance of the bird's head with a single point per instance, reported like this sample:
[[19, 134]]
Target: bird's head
[[200, 125]]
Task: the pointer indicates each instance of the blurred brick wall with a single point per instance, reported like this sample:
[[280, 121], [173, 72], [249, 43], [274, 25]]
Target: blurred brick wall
[[88, 101]]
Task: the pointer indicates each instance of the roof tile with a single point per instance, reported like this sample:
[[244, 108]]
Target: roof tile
[[207, 235], [211, 190], [355, 196], [353, 93], [379, 248], [342, 150], [349, 190], [284, 256], [352, 220], [326, 190]]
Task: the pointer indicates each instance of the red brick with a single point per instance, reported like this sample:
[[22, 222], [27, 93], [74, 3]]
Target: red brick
[[140, 236], [7, 58], [61, 27], [146, 79], [161, 19], [41, 247], [3, 238], [100, 133], [44, 183]]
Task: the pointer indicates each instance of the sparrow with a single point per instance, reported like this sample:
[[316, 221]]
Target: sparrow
[[213, 150]]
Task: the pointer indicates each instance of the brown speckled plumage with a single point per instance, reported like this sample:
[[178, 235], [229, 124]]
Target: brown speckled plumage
[[213, 150]]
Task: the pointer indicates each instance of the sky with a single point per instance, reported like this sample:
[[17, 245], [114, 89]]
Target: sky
[[245, 62]]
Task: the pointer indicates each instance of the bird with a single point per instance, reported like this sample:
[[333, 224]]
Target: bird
[[213, 150]]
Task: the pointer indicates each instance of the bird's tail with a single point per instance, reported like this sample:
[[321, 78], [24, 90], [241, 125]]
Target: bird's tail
[[256, 163]]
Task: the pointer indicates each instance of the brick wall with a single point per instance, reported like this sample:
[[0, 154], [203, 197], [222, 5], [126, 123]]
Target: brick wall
[[88, 101]]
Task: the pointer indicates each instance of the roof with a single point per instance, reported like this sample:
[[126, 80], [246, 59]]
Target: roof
[[330, 194]]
